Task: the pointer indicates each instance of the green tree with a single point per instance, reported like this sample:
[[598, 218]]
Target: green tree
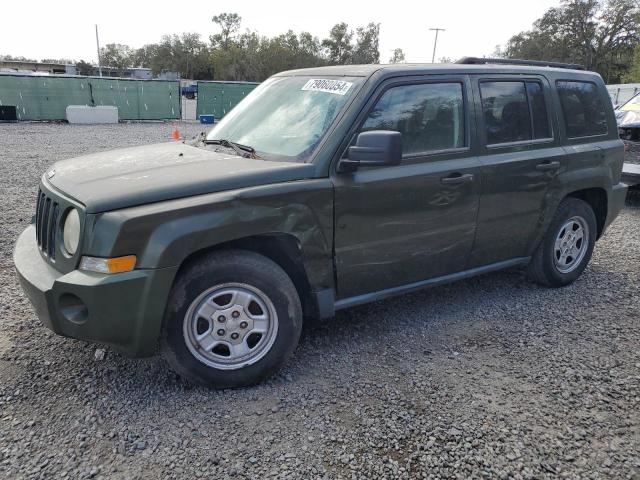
[[84, 68], [186, 54], [65, 61], [9, 58], [310, 51], [143, 56], [191, 56], [338, 45], [229, 24], [116, 55], [397, 56], [633, 75], [599, 34], [367, 49]]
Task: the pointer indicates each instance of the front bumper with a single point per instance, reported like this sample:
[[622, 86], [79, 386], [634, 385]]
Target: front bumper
[[123, 310]]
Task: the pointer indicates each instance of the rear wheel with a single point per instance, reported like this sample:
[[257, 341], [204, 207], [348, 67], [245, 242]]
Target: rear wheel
[[233, 319], [567, 246]]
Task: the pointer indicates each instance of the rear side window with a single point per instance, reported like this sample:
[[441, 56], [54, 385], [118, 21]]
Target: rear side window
[[514, 112], [429, 116], [584, 113]]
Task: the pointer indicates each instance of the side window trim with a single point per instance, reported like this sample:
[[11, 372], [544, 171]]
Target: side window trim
[[530, 106], [530, 102], [517, 143], [416, 156], [520, 143], [431, 153]]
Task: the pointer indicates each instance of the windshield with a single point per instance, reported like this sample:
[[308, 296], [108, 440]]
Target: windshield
[[285, 118], [633, 104]]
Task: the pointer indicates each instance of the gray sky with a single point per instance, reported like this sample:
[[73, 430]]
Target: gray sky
[[41, 29]]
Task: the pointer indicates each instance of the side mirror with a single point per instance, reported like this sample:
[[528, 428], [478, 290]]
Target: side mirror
[[373, 148]]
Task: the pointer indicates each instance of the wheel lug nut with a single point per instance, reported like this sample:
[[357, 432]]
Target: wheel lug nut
[[234, 336], [235, 314], [221, 332], [243, 324], [222, 319]]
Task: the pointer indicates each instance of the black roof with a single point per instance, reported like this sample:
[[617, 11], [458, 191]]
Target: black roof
[[435, 68]]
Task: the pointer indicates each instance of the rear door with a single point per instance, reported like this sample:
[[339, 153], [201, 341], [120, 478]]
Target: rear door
[[591, 143], [396, 225], [520, 156]]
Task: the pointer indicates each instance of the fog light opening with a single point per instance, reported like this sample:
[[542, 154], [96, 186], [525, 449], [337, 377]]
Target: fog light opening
[[73, 309]]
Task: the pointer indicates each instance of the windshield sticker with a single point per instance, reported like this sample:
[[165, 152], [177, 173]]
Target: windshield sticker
[[337, 87]]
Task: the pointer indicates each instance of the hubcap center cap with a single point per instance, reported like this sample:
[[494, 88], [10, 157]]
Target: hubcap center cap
[[231, 324]]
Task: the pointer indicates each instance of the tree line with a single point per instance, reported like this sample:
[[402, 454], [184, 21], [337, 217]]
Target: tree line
[[602, 35], [234, 55]]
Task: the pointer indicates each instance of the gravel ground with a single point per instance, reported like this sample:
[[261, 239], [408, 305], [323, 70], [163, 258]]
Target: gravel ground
[[491, 377]]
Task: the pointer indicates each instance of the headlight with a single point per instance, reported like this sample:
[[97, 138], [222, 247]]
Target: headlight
[[71, 231], [627, 117]]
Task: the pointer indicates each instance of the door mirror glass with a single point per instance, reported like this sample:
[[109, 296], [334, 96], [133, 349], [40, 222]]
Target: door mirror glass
[[373, 148]]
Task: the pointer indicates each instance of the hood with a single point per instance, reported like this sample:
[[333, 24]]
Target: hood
[[135, 176]]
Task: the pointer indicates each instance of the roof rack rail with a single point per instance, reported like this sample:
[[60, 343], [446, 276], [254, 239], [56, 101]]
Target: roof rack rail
[[513, 61]]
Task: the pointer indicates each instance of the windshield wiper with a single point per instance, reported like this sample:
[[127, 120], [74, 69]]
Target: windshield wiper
[[244, 151]]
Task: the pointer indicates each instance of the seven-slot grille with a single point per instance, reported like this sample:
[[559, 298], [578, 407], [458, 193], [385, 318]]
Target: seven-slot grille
[[47, 216]]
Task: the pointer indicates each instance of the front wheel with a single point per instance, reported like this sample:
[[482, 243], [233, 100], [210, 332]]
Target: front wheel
[[233, 319], [567, 245]]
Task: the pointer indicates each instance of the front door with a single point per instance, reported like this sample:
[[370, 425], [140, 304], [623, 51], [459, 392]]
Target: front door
[[403, 224]]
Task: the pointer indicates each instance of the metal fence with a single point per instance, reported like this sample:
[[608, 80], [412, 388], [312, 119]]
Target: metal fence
[[622, 93], [218, 98], [47, 97]]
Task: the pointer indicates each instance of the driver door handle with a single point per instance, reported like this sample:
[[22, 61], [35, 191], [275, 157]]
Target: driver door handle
[[457, 179], [547, 166]]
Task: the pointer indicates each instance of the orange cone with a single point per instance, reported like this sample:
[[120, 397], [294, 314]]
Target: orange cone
[[176, 133]]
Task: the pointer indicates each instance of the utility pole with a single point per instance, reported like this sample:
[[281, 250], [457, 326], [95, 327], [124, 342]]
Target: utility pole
[[435, 42], [98, 45]]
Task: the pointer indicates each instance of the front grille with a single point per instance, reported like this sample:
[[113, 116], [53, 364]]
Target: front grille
[[47, 216]]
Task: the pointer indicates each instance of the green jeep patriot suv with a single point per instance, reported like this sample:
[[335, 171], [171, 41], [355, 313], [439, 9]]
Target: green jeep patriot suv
[[323, 189]]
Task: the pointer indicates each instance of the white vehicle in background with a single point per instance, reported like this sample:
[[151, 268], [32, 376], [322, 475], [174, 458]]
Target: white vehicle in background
[[628, 120], [622, 93]]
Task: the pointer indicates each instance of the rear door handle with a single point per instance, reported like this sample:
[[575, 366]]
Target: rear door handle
[[457, 179], [547, 166]]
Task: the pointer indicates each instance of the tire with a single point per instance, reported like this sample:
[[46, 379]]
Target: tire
[[553, 267], [233, 319]]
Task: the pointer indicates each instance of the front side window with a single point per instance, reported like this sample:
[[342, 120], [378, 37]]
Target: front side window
[[514, 112], [429, 116], [285, 118], [584, 113]]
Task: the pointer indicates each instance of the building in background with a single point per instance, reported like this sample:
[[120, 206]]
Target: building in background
[[39, 68]]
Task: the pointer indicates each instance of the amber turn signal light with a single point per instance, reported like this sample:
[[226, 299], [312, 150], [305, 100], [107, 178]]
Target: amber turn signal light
[[108, 265]]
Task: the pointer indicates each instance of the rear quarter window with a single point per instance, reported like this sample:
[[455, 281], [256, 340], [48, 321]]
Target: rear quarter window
[[583, 110]]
